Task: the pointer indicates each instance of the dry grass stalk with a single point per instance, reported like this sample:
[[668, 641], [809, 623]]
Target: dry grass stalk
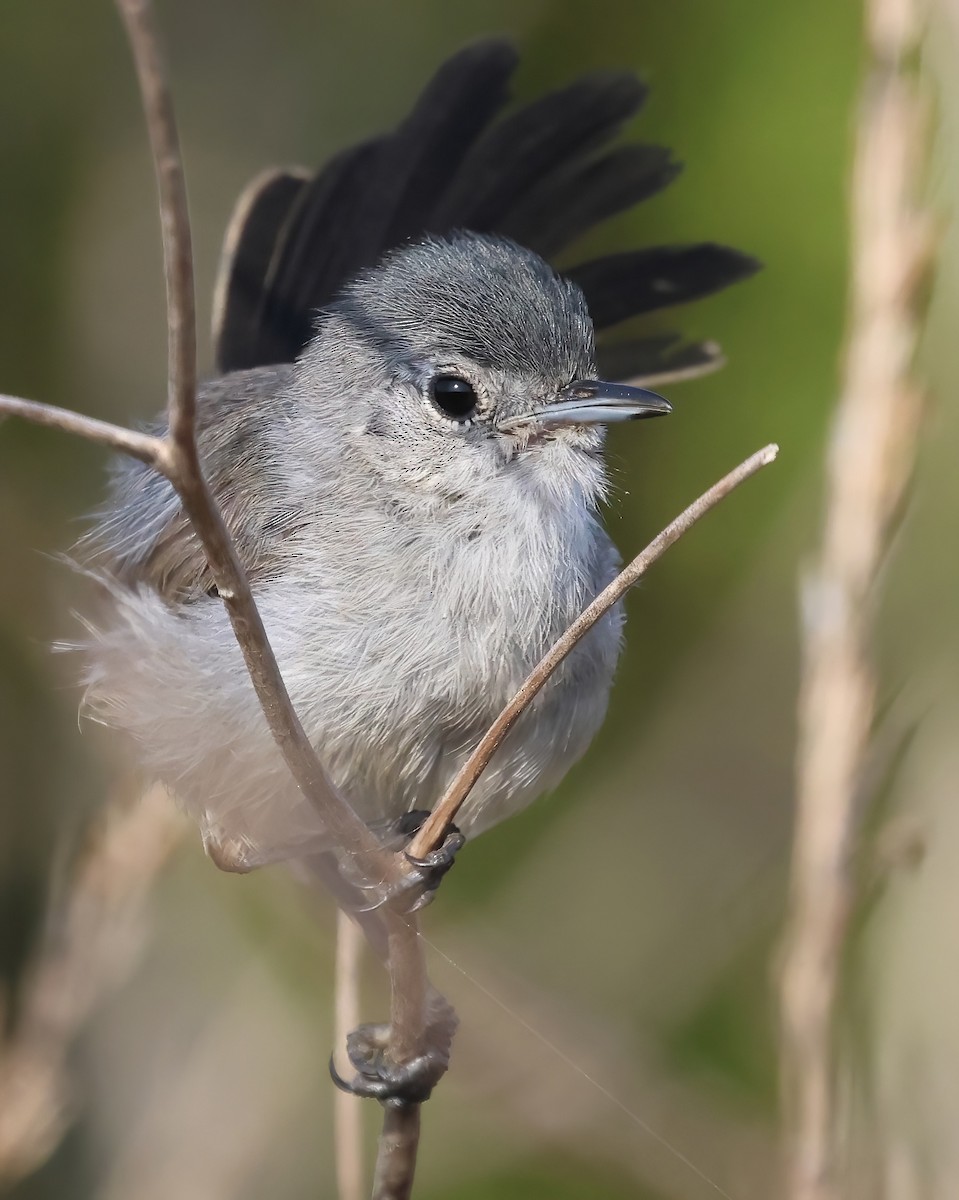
[[90, 944], [870, 458]]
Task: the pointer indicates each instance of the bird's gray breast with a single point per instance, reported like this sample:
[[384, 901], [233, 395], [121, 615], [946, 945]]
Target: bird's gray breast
[[420, 632]]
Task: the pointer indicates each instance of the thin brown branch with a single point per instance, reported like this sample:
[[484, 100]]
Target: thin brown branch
[[871, 455], [88, 947], [396, 1153], [144, 39], [409, 990], [139, 445], [179, 459], [347, 1109], [434, 829]]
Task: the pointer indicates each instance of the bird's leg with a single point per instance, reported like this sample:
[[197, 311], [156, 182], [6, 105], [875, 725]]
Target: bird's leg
[[378, 1075], [397, 1085]]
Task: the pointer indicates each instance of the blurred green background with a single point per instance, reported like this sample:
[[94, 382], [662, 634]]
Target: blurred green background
[[614, 946]]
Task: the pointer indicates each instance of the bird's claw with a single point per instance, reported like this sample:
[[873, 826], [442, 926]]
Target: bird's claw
[[417, 885], [396, 1085], [427, 872]]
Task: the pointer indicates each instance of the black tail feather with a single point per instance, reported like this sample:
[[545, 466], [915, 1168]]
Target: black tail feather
[[568, 203], [428, 149], [640, 281], [242, 337], [540, 175], [537, 140], [310, 262]]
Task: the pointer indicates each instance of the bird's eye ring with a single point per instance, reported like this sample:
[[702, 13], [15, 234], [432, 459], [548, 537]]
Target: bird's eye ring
[[454, 396]]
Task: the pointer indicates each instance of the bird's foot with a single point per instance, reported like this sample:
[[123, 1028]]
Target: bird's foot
[[417, 883], [397, 1085], [426, 873], [237, 855]]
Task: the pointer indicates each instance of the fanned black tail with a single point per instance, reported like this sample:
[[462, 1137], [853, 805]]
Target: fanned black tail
[[542, 174]]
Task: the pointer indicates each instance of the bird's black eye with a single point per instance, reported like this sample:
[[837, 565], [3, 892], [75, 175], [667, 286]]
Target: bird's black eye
[[454, 397]]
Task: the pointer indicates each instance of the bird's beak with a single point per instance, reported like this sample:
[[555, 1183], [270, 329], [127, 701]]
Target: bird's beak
[[592, 402]]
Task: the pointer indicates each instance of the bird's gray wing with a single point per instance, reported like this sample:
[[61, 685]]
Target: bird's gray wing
[[543, 174], [144, 537]]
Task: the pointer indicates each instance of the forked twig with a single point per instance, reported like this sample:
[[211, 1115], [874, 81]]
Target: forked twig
[[176, 457], [871, 455], [434, 828]]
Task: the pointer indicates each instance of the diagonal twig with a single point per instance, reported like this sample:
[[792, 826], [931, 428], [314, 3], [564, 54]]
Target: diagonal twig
[[176, 457], [396, 1158], [434, 828]]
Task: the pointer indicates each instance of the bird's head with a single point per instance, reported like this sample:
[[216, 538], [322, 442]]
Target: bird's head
[[459, 359]]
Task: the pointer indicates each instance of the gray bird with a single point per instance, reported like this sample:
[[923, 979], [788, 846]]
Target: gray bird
[[406, 440]]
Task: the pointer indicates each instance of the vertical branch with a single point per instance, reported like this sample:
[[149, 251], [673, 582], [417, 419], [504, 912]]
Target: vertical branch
[[871, 454], [396, 1153], [144, 39], [409, 987], [347, 1109]]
